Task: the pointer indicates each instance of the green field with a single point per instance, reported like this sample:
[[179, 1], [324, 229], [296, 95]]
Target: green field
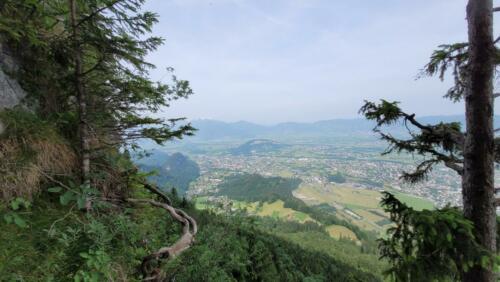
[[275, 209], [200, 203], [412, 201], [339, 231], [359, 206], [340, 195]]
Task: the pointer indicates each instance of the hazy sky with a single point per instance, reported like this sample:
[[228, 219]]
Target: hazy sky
[[270, 61]]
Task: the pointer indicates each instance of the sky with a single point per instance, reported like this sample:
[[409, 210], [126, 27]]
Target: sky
[[271, 61]]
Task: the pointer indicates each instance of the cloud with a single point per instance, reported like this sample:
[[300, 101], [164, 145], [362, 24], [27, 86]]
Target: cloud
[[293, 60]]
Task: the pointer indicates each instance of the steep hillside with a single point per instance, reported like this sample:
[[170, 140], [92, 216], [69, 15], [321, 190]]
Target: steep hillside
[[170, 171], [271, 202], [73, 204], [56, 246]]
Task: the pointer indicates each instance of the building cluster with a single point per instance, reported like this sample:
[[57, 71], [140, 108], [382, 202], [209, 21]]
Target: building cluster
[[313, 165]]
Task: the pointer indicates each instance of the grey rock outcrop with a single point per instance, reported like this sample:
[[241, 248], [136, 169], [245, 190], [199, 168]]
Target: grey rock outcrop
[[11, 93]]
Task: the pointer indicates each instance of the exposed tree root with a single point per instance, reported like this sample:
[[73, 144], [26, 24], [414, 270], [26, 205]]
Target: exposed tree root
[[150, 264], [157, 192]]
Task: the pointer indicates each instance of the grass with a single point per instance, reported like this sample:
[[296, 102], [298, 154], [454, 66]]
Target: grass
[[341, 194], [364, 224], [356, 198], [343, 251], [369, 215], [200, 203], [278, 210], [363, 202], [275, 209], [300, 216], [285, 174], [412, 201], [339, 231]]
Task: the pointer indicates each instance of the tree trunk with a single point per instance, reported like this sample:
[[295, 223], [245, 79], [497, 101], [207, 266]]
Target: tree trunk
[[478, 177], [81, 98]]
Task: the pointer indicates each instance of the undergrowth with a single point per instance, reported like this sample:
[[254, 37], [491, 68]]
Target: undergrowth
[[60, 243], [31, 150]]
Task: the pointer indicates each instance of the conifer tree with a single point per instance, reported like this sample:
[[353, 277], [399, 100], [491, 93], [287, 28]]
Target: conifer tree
[[84, 63], [83, 130], [471, 154]]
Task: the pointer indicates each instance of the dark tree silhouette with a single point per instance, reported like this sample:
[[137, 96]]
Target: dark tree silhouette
[[471, 153]]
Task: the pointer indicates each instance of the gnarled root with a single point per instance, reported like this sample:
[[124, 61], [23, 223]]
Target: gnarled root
[[189, 230]]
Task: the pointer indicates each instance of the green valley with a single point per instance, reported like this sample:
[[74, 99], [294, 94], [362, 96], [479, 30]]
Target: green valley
[[286, 164]]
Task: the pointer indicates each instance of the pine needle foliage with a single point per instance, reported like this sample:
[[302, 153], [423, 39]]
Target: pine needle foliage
[[429, 245], [113, 41], [440, 143], [441, 245]]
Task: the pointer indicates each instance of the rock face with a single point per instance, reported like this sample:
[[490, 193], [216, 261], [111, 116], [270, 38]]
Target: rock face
[[11, 93]]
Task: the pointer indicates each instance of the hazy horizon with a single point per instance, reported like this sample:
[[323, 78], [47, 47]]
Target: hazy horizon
[[303, 61], [360, 118]]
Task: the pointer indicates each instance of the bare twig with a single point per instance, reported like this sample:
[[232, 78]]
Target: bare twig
[[60, 219], [57, 182]]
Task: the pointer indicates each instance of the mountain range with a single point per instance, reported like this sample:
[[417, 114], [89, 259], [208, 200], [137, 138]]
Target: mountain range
[[219, 130]]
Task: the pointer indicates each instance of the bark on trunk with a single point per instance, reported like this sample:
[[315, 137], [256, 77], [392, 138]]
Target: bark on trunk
[[478, 177], [81, 98]]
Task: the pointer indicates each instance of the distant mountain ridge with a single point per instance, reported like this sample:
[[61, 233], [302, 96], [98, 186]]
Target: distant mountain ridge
[[214, 129]]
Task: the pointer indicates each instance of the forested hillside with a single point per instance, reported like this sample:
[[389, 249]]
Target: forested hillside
[[313, 227], [169, 171], [63, 245], [88, 192], [74, 205], [257, 188]]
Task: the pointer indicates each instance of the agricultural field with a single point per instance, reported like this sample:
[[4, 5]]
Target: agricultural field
[[412, 201], [201, 203], [339, 231], [275, 209], [339, 195], [356, 205]]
